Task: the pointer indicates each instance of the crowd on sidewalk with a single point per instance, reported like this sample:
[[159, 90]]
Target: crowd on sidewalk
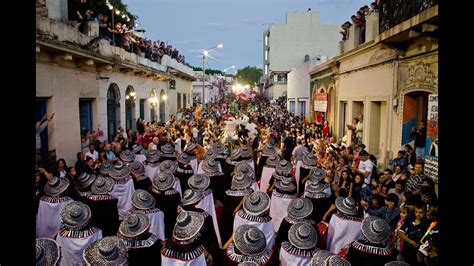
[[235, 183]]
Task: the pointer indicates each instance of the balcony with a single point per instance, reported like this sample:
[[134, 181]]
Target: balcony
[[395, 12], [60, 35], [396, 26]]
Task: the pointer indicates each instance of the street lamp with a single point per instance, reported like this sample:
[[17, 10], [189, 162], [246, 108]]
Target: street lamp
[[225, 70], [205, 54]]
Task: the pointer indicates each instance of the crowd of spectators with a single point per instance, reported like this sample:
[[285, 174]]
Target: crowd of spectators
[[359, 20], [123, 36]]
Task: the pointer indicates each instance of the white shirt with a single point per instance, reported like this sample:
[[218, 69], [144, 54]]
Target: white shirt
[[267, 173], [195, 132], [293, 260], [199, 261], [177, 146], [366, 167], [123, 192], [278, 210], [94, 155], [342, 232], [360, 128], [72, 248], [157, 224], [48, 221]]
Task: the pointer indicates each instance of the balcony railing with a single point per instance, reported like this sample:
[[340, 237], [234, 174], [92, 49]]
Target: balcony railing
[[394, 12], [58, 31]]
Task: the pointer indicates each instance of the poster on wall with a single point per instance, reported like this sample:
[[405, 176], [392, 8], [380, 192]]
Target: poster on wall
[[431, 150], [321, 102], [431, 167], [432, 126]]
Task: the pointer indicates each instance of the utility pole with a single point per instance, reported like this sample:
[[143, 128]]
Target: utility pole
[[203, 78]]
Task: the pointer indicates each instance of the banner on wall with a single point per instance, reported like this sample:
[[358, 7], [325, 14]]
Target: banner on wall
[[431, 167], [321, 102], [432, 127], [431, 156]]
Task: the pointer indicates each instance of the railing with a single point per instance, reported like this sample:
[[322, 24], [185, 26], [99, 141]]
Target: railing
[[63, 32], [394, 12]]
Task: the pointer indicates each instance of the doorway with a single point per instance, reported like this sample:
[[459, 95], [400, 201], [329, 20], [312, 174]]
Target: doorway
[[415, 110], [163, 98], [130, 108], [85, 115], [113, 110]]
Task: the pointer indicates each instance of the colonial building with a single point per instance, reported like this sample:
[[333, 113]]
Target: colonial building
[[91, 85], [386, 80]]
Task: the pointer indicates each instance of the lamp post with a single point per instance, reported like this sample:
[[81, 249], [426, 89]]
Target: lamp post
[[205, 54], [225, 76], [225, 70]]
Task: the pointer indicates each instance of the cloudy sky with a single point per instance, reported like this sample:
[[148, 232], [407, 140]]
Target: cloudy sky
[[194, 25]]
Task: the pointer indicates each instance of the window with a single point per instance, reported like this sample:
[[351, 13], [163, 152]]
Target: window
[[266, 54], [292, 106], [85, 114], [266, 69], [142, 108], [185, 103], [266, 40], [303, 108], [179, 100]]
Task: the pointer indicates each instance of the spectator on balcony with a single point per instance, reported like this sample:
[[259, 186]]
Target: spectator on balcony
[[374, 7], [82, 13], [366, 11], [104, 25], [345, 30], [361, 25], [161, 50], [356, 21]]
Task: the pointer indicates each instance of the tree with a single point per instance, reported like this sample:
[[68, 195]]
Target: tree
[[248, 75], [208, 71], [99, 7]]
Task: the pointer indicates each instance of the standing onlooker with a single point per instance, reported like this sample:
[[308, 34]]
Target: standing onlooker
[[82, 13], [405, 215], [40, 126], [326, 130], [61, 168], [411, 233], [92, 153], [365, 166], [414, 181], [420, 139], [410, 155], [400, 160]]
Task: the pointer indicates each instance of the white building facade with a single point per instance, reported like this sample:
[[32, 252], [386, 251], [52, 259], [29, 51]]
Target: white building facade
[[299, 87], [215, 87], [285, 47]]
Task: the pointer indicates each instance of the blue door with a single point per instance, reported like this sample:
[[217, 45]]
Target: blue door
[[303, 109], [85, 115], [142, 108], [113, 110]]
